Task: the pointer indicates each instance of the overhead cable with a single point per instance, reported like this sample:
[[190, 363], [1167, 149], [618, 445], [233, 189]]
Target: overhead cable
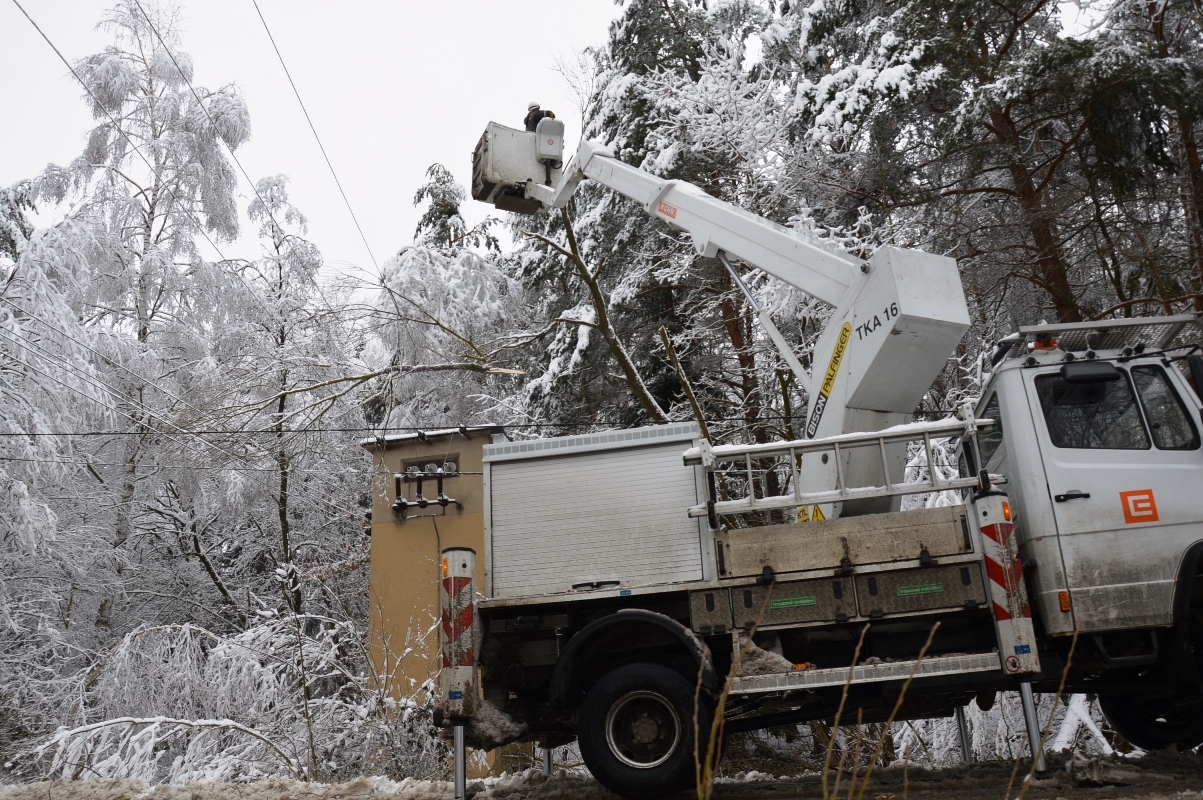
[[121, 398], [321, 147], [121, 131]]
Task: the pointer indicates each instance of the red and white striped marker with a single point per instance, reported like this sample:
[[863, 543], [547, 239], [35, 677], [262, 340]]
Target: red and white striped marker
[[1008, 595], [456, 590]]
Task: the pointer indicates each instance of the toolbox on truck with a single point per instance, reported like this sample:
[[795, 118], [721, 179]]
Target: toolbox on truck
[[597, 511]]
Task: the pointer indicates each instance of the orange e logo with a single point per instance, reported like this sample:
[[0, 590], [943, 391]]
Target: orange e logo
[[1139, 506]]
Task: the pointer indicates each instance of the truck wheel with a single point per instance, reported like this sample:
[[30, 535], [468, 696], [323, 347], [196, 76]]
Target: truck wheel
[[1152, 724], [636, 731]]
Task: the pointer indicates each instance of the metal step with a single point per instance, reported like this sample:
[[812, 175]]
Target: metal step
[[866, 673]]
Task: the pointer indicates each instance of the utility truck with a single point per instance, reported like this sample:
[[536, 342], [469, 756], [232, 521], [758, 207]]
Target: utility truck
[[628, 575]]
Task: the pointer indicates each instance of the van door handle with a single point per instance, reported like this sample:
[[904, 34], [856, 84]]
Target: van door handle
[[1074, 495]]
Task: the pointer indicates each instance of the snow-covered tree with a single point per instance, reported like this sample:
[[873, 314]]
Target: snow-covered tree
[[14, 227], [49, 388], [442, 226], [154, 176]]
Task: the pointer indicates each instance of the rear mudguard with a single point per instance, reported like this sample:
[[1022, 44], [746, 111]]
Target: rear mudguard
[[597, 635]]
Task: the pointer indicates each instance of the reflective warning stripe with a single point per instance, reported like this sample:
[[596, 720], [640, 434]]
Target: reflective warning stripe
[[458, 612], [1008, 594], [457, 678]]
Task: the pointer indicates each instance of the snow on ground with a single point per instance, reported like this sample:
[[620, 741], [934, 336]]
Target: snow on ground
[[524, 786], [1153, 777]]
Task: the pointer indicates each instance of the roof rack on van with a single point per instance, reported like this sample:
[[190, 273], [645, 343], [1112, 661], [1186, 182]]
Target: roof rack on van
[[1155, 333]]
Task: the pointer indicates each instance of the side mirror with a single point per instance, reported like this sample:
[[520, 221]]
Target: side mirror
[[1089, 372], [1194, 363]]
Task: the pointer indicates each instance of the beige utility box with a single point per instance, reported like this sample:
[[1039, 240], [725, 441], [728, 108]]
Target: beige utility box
[[407, 540]]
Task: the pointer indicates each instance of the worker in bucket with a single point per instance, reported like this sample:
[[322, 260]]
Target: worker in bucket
[[534, 114]]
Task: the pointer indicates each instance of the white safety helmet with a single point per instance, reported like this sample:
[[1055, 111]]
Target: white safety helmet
[[532, 105]]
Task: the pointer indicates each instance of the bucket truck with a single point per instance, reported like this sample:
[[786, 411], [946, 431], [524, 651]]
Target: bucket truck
[[630, 575]]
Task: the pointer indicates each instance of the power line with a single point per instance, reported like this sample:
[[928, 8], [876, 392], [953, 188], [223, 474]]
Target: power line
[[208, 116], [65, 334], [384, 431], [120, 130], [99, 384], [116, 394], [156, 465], [322, 147], [168, 187], [106, 358]]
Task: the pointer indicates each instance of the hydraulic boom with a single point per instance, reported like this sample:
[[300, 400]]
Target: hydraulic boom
[[897, 317]]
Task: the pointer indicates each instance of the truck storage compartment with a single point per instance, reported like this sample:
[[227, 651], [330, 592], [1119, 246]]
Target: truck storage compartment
[[604, 510], [710, 611], [820, 600], [875, 538], [924, 589]]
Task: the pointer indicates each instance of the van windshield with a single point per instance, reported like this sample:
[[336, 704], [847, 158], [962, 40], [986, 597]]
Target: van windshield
[[1100, 415]]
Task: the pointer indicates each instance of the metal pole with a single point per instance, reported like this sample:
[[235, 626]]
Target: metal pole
[[1029, 716], [547, 761], [963, 733], [460, 765], [771, 329]]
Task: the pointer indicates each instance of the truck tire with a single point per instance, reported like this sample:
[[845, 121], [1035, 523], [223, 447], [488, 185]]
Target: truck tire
[[1153, 724], [636, 731]]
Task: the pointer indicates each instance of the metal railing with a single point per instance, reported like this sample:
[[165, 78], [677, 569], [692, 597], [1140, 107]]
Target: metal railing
[[744, 458]]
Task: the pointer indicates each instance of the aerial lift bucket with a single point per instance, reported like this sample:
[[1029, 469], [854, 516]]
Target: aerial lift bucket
[[505, 160]]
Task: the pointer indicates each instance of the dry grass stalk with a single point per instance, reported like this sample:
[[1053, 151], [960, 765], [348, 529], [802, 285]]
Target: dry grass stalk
[[1069, 660], [704, 769], [856, 751], [894, 712], [835, 725]]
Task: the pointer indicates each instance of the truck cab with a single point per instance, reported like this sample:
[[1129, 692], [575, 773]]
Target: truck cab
[[1098, 435]]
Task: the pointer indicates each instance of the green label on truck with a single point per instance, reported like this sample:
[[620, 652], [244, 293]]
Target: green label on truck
[[794, 602], [923, 588]]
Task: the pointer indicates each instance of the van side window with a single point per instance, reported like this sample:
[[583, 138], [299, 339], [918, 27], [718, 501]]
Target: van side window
[[1171, 425], [988, 441], [1095, 416]]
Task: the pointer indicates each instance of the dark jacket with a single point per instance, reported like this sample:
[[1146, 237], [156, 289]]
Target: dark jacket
[[532, 118]]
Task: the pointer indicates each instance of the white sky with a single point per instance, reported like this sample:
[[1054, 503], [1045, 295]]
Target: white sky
[[392, 85]]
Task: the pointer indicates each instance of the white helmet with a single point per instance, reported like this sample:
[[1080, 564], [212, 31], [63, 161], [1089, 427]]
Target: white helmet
[[532, 105]]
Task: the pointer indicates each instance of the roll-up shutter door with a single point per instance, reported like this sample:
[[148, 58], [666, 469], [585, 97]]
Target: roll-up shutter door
[[616, 515]]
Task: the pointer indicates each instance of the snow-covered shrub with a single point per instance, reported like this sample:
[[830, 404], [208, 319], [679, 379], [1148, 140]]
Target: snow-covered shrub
[[998, 734], [292, 695]]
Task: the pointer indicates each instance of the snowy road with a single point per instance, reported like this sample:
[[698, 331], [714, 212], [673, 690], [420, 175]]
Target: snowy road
[[1156, 777]]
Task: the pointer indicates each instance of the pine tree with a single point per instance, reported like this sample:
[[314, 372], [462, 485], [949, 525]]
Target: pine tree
[[14, 227], [441, 225]]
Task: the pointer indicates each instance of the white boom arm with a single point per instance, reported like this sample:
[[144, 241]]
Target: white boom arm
[[714, 225], [897, 317]]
